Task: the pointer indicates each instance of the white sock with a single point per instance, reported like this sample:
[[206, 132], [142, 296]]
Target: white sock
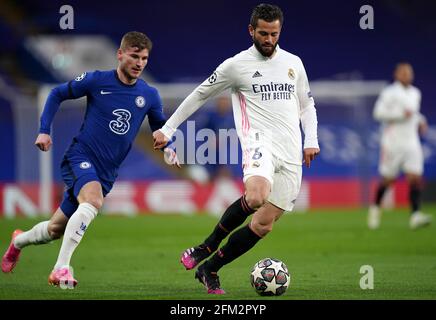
[[37, 235], [74, 232]]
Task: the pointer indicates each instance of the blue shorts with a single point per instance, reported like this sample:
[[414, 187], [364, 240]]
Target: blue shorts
[[77, 170]]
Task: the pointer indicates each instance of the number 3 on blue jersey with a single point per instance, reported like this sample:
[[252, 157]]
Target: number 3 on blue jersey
[[121, 125]]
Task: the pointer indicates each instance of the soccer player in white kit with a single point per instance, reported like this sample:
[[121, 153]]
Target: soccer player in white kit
[[270, 96], [397, 108]]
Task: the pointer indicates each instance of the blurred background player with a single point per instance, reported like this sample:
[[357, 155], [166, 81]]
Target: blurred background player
[[118, 101], [398, 109], [220, 117], [271, 95]]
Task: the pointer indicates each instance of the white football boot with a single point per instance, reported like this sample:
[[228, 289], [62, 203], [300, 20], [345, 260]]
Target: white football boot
[[419, 219]]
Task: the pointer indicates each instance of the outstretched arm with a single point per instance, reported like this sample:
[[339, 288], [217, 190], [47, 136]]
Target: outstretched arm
[[220, 80]]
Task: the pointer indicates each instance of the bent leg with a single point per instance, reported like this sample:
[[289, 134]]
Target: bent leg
[[417, 218], [383, 185], [374, 212], [44, 231], [257, 190], [246, 237], [41, 233]]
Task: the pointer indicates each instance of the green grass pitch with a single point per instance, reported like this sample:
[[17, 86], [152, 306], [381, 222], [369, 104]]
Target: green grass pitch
[[138, 258]]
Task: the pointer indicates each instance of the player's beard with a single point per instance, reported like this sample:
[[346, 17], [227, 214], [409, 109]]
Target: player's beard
[[262, 50]]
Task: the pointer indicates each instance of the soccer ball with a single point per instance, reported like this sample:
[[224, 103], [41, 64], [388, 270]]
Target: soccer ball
[[270, 277]]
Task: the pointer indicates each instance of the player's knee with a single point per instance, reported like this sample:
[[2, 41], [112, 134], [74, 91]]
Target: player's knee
[[96, 202], [255, 200], [91, 193], [415, 181], [261, 229], [387, 182], [93, 199]]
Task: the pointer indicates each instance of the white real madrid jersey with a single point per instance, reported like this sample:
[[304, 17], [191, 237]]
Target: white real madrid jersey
[[399, 131], [269, 95]]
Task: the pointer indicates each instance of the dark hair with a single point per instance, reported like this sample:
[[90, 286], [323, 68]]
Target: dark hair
[[267, 12], [136, 39], [402, 64]]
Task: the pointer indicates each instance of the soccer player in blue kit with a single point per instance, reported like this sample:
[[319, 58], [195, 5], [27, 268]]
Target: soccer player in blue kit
[[117, 103]]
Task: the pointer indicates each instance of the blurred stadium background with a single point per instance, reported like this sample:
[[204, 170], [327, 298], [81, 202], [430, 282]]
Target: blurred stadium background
[[347, 68]]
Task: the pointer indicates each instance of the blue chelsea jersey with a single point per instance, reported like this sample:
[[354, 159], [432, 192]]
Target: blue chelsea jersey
[[114, 114]]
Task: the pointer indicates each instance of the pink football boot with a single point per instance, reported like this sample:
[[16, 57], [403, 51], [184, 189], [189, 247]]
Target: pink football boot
[[193, 256], [62, 278], [10, 258]]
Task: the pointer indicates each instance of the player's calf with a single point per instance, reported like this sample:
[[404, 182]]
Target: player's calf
[[56, 231], [261, 229]]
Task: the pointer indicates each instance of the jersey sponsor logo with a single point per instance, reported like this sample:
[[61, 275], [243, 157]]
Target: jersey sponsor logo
[[256, 75], [256, 164], [291, 74], [85, 165], [212, 78], [273, 87], [140, 101], [274, 90], [121, 125], [105, 92], [81, 77]]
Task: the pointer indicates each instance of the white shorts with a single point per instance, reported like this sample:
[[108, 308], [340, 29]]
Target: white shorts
[[393, 161], [285, 178]]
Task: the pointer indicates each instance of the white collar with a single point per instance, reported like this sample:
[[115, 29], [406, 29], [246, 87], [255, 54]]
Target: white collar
[[400, 85]]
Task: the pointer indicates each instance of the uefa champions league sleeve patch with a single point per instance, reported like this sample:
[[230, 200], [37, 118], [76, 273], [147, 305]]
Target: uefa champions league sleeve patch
[[81, 77], [212, 78]]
